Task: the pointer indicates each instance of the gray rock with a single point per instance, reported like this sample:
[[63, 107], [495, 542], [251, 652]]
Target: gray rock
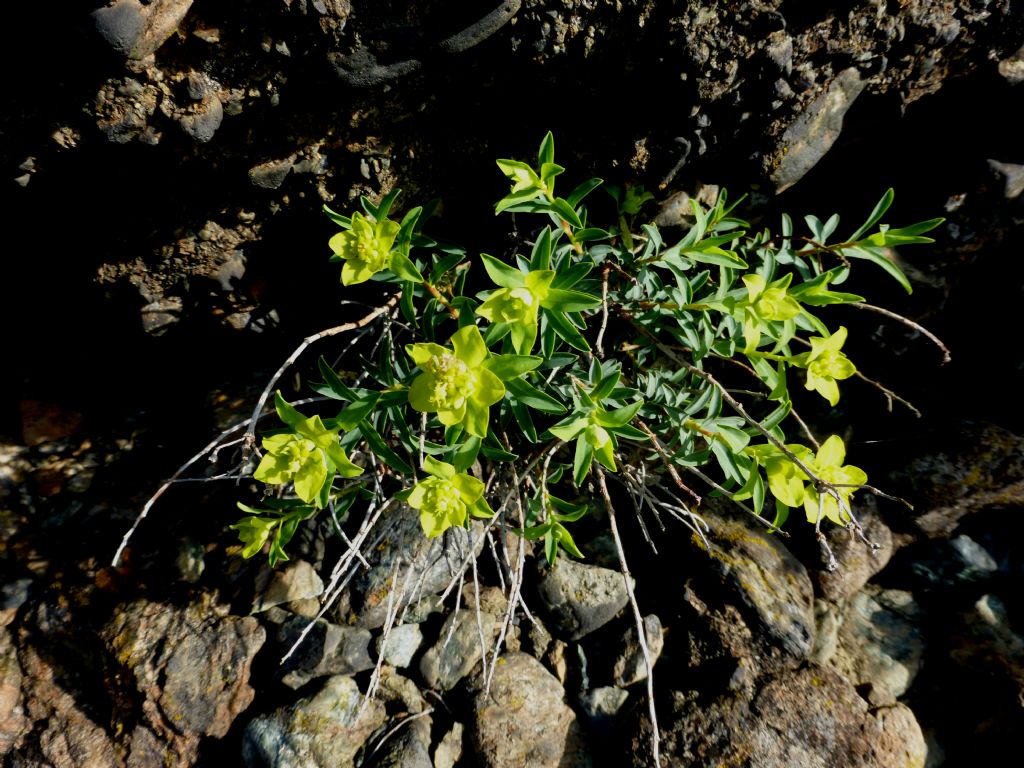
[[406, 559], [812, 134], [327, 649], [449, 750], [630, 666], [137, 29], [986, 641], [828, 619], [896, 737], [858, 562], [324, 731], [602, 705], [880, 646], [748, 605], [403, 642], [1012, 67], [457, 651], [191, 665], [579, 598], [524, 719], [270, 175], [13, 722], [1011, 173], [203, 119], [298, 581], [809, 717], [943, 564]]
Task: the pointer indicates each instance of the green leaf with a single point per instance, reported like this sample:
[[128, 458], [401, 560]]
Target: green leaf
[[466, 454], [566, 330], [405, 269], [566, 211], [342, 221], [522, 415], [287, 413], [567, 511], [875, 256], [529, 395], [879, 211], [336, 386], [581, 461], [559, 300], [546, 153], [356, 411], [570, 428], [576, 196], [502, 274], [568, 277], [620, 416], [497, 454], [564, 539], [507, 367], [382, 450], [540, 258]]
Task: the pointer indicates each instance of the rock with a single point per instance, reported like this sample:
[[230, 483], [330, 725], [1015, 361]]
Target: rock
[[458, 649], [973, 467], [858, 562], [402, 644], [809, 717], [827, 619], [270, 175], [449, 750], [410, 746], [46, 422], [203, 119], [896, 737], [12, 596], [630, 666], [408, 560], [135, 28], [812, 134], [190, 665], [602, 705], [579, 598], [987, 642], [1011, 173], [747, 607], [1012, 67], [298, 581], [880, 645], [524, 720], [943, 564], [327, 649], [64, 735], [324, 731], [13, 722]]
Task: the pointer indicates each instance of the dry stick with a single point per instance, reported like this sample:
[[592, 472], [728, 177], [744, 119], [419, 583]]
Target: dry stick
[[599, 343], [401, 723], [212, 445], [250, 433], [640, 630], [946, 357], [479, 620], [666, 459]]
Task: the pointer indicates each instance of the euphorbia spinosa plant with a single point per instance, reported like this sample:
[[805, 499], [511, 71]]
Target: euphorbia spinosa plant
[[600, 344]]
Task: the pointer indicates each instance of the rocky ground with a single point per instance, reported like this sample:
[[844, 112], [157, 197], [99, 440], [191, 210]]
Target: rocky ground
[[180, 151]]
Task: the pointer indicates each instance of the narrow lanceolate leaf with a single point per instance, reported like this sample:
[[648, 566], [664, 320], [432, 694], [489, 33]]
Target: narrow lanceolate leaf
[[581, 462], [527, 394], [620, 416], [561, 300], [356, 411], [567, 331], [336, 386], [876, 256], [507, 367], [382, 450], [566, 211], [501, 273], [876, 215]]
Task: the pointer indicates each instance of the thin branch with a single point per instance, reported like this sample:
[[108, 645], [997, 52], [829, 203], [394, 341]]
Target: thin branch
[[599, 343], [250, 433], [946, 357], [638, 617]]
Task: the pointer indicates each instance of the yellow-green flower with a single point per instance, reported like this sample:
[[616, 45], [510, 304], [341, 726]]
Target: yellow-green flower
[[366, 248], [765, 301], [825, 365], [308, 456], [828, 466], [446, 498], [454, 383], [519, 306]]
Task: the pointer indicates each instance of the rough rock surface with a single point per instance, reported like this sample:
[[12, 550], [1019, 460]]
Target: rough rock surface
[[323, 731], [579, 598], [524, 719]]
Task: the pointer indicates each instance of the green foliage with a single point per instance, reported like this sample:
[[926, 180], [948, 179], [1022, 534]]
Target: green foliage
[[599, 351]]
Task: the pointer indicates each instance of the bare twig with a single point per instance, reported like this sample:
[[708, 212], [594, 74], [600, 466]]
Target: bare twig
[[946, 357], [599, 343], [640, 629], [250, 433]]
